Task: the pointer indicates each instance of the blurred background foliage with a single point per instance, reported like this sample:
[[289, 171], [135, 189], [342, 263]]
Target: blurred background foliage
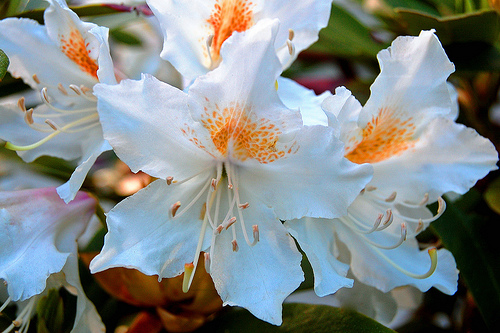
[[345, 55]]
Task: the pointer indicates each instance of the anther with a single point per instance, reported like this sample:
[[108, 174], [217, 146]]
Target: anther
[[235, 245], [45, 96], [17, 322], [188, 271], [84, 89], [424, 200], [219, 229], [62, 89], [35, 78], [291, 34], [169, 180], [52, 124], [21, 104], [389, 217], [214, 183], [228, 223], [75, 89], [243, 205], [207, 262], [230, 186], [174, 208], [370, 188], [392, 197], [28, 117], [256, 234]]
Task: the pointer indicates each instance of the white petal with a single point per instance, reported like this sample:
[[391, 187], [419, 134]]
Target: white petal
[[38, 234], [295, 96], [369, 301], [372, 265], [186, 28], [257, 278], [94, 146], [87, 320], [143, 122], [316, 238], [67, 30], [315, 181], [448, 157], [19, 40], [305, 18], [143, 235], [248, 72], [105, 73], [412, 79], [185, 35]]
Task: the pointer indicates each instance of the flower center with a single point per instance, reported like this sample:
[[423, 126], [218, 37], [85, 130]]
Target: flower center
[[236, 133], [74, 47], [387, 134], [225, 183], [228, 16]]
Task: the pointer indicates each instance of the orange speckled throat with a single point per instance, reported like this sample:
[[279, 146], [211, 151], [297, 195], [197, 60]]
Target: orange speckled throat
[[387, 134], [75, 48]]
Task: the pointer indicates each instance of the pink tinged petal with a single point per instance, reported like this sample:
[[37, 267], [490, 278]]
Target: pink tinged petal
[[257, 277], [144, 122], [38, 234], [315, 180], [316, 238], [448, 157], [297, 97], [412, 80], [382, 268], [143, 232]]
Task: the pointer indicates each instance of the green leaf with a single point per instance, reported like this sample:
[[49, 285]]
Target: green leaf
[[346, 37], [124, 37], [413, 5], [492, 195], [481, 26], [298, 318], [4, 64], [50, 312], [475, 248]]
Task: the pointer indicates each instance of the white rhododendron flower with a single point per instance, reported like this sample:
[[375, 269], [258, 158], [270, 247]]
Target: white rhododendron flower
[[38, 234], [194, 31], [231, 161], [406, 131], [64, 60]]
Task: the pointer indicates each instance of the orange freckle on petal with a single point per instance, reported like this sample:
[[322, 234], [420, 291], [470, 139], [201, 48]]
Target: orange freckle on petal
[[236, 134], [74, 47], [229, 16], [385, 136]]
